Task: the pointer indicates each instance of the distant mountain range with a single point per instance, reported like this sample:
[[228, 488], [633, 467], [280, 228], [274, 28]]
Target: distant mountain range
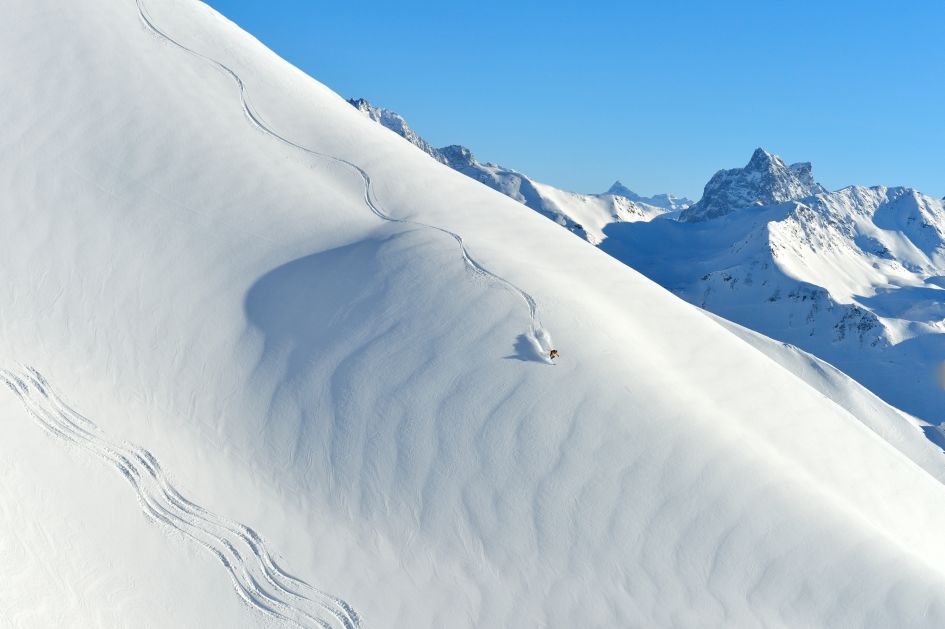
[[855, 277], [583, 214], [263, 363]]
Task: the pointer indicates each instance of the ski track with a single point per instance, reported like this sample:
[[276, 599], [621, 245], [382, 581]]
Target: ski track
[[256, 576], [537, 332]]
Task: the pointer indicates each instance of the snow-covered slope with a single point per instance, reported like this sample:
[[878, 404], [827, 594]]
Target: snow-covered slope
[[583, 214], [898, 428], [250, 308], [852, 276]]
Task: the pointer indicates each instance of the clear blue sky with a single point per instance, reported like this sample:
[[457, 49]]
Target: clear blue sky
[[657, 94]]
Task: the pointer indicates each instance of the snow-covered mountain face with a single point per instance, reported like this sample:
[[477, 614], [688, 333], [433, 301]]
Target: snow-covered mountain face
[[266, 364], [853, 276], [585, 215], [765, 180]]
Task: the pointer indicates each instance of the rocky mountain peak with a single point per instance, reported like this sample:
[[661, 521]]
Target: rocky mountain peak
[[621, 190], [762, 160], [765, 180], [396, 123], [457, 156]]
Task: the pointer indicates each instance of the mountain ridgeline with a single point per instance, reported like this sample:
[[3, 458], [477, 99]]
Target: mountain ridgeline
[[582, 214], [855, 276]]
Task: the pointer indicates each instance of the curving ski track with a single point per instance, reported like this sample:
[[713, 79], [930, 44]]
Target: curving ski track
[[537, 332], [256, 576]]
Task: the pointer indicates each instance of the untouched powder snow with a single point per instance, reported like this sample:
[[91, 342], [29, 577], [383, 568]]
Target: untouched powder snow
[[252, 339]]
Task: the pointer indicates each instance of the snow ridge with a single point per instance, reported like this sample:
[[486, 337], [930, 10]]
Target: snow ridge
[[536, 332], [256, 576]]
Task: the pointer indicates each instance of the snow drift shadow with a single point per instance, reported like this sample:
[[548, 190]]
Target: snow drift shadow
[[935, 434], [302, 306], [913, 303], [527, 349]]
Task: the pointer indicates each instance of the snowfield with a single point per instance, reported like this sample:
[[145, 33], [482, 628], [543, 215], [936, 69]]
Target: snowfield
[[267, 364]]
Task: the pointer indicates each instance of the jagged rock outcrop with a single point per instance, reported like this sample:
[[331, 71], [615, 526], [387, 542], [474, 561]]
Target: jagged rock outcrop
[[765, 180]]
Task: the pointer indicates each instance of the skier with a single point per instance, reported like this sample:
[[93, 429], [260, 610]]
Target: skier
[[554, 354]]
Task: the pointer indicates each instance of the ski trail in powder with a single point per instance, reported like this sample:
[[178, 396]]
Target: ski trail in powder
[[256, 576], [537, 333]]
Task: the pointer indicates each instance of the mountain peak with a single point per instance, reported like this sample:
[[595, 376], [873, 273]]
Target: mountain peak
[[395, 122], [665, 201], [621, 190], [456, 156], [361, 104], [765, 180], [763, 160]]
